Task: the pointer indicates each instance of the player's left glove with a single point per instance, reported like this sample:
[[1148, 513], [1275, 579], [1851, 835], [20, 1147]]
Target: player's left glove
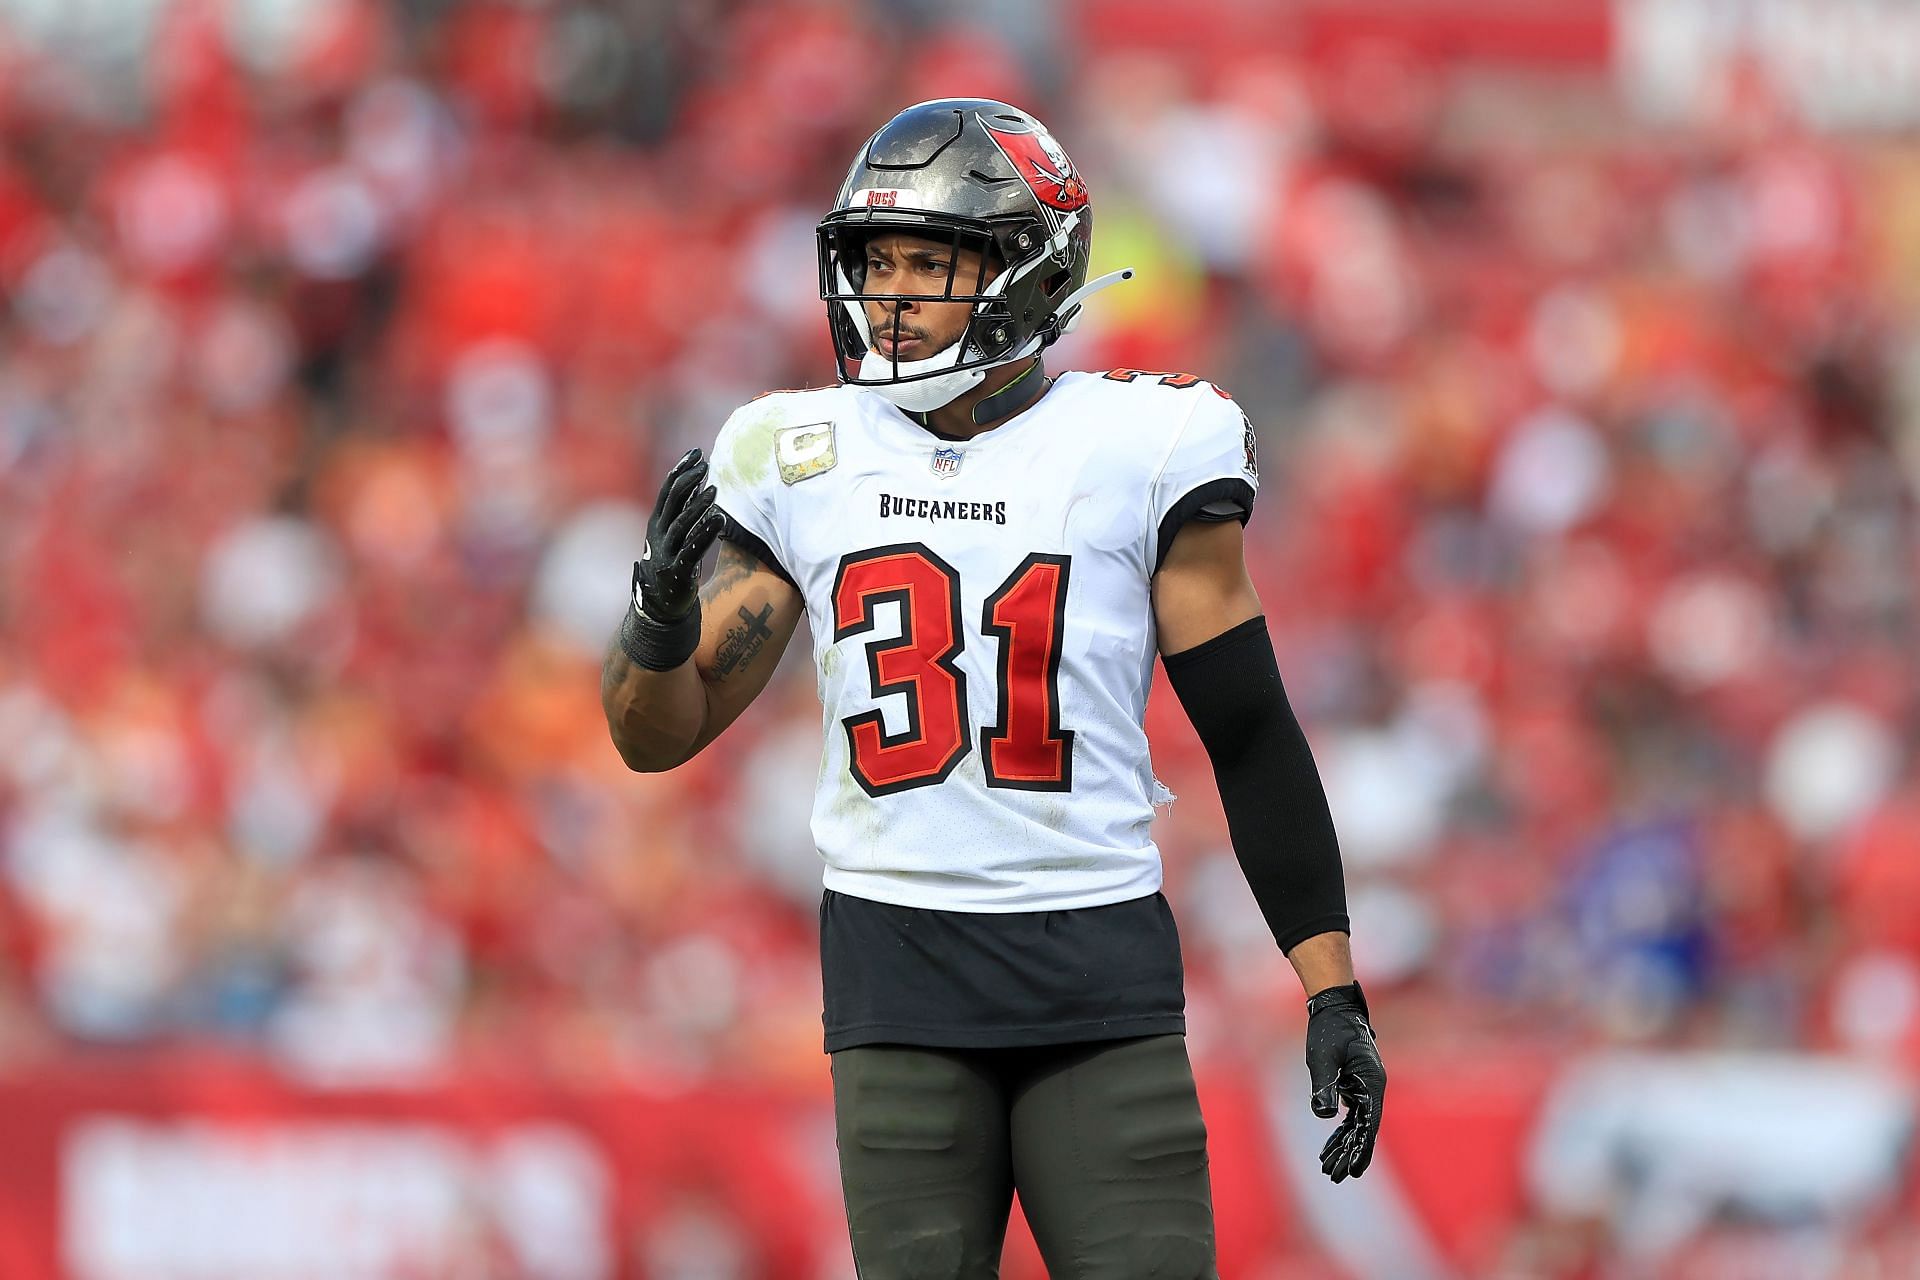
[[1345, 1065]]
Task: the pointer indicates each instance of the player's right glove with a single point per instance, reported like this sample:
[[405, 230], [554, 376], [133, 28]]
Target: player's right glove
[[1345, 1065], [663, 623]]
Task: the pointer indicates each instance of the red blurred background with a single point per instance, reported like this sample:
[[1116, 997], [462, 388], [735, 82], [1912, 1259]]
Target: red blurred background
[[343, 344]]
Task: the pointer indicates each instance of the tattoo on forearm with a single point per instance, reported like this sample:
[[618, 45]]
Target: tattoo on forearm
[[744, 642], [733, 567]]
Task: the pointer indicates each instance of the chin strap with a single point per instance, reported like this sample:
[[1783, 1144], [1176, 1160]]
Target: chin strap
[[1013, 397]]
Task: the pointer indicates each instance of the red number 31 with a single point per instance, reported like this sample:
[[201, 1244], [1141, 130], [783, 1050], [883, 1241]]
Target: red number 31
[[1026, 749]]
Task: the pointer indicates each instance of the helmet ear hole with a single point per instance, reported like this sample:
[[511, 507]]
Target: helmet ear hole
[[1056, 283]]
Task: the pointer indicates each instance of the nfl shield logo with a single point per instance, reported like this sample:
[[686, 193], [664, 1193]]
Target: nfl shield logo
[[946, 462]]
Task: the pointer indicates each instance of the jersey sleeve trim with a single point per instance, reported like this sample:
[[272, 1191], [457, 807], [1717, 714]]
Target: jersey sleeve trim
[[738, 534], [1199, 503]]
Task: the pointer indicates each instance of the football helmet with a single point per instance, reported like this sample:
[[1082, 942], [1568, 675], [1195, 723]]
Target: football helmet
[[978, 174]]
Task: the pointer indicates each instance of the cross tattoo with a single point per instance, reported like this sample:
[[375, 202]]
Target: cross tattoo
[[757, 628], [743, 642]]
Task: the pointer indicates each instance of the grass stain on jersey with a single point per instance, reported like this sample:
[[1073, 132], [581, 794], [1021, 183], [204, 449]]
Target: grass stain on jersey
[[859, 814], [1053, 816], [749, 457]]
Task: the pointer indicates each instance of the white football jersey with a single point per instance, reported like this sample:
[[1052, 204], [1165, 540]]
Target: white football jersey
[[983, 633]]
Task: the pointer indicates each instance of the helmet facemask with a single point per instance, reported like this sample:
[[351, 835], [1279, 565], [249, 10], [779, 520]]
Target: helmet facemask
[[993, 335]]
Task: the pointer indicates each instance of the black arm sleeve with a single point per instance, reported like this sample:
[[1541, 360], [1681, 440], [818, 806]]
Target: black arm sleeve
[[1276, 808]]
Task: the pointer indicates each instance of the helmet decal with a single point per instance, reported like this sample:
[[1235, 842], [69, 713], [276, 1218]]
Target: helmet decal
[[1040, 161], [885, 198]]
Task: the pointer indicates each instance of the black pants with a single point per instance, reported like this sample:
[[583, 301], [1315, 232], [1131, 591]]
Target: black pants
[[1103, 1141]]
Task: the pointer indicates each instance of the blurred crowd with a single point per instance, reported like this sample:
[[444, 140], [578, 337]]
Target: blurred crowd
[[343, 344]]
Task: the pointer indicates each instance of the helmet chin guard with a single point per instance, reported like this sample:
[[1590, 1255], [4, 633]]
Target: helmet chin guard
[[921, 386]]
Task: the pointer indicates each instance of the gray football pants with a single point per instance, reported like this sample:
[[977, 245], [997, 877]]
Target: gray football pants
[[1103, 1141]]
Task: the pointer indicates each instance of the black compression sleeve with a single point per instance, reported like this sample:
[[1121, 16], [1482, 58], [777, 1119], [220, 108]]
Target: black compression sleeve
[[1276, 808]]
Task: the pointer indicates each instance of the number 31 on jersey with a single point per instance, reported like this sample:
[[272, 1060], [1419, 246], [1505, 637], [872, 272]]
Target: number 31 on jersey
[[1025, 749]]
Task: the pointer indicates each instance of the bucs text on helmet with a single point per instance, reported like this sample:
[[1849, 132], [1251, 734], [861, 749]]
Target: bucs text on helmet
[[974, 173]]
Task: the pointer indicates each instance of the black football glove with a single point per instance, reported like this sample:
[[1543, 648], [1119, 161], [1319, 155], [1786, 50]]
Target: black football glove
[[1345, 1066], [663, 626]]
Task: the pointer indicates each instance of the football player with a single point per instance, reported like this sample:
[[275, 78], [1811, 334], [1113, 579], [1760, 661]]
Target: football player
[[989, 557]]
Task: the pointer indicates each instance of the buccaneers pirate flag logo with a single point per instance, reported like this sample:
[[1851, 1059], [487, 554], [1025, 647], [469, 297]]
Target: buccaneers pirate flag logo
[[1040, 162]]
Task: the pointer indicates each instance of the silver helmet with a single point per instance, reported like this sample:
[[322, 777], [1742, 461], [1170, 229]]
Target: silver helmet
[[977, 174]]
